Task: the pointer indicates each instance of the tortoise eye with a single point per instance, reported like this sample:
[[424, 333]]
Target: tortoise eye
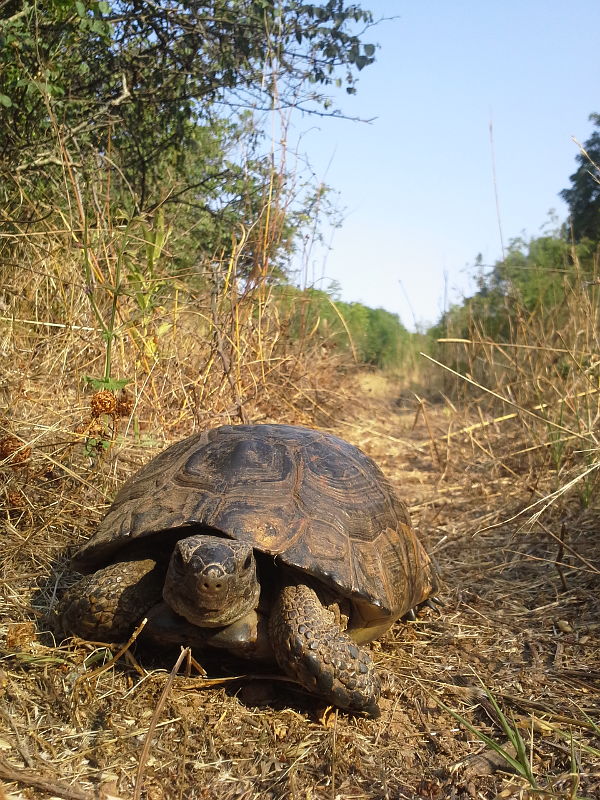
[[248, 561]]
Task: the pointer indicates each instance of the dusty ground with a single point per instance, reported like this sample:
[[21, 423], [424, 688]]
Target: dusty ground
[[520, 619]]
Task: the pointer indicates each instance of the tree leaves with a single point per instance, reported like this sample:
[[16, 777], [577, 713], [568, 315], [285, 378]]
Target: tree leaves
[[154, 92], [583, 198]]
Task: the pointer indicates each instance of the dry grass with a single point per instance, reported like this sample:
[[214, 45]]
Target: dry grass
[[521, 605], [545, 374], [521, 618]]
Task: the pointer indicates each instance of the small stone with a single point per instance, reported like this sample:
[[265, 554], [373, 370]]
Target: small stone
[[564, 626]]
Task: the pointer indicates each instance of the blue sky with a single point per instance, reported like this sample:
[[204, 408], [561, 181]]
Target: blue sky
[[416, 184]]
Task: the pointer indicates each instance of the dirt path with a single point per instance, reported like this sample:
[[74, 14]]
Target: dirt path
[[513, 623]]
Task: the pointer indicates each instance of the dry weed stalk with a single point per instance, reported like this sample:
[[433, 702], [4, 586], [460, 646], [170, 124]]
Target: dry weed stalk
[[548, 371]]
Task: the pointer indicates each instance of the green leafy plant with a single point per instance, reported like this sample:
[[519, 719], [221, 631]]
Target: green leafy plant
[[108, 384]]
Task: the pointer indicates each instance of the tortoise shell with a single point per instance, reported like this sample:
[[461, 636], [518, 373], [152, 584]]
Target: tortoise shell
[[311, 500]]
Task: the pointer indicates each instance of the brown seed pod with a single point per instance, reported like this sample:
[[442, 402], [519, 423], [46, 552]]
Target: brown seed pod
[[14, 450], [124, 406], [15, 500], [103, 402]]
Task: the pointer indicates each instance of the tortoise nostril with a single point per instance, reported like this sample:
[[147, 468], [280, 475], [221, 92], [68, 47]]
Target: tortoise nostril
[[208, 585]]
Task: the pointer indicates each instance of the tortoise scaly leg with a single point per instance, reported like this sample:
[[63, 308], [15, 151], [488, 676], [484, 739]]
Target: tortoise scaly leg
[[107, 605], [311, 647]]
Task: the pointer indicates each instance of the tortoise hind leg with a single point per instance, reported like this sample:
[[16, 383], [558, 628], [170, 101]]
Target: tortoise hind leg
[[311, 647], [106, 605]]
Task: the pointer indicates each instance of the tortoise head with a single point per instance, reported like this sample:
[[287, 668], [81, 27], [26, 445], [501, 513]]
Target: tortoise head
[[211, 581]]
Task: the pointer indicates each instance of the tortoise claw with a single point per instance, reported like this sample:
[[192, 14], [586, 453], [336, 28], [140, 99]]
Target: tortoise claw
[[434, 603]]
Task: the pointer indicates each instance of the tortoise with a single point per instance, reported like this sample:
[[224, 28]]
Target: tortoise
[[271, 541]]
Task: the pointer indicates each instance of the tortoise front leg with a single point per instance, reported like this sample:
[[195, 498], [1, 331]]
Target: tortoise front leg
[[106, 606], [311, 647]]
